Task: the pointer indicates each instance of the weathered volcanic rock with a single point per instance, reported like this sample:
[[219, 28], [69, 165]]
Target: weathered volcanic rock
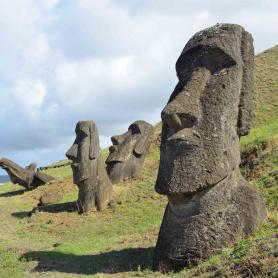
[[89, 173], [50, 198], [127, 155], [27, 177], [209, 203]]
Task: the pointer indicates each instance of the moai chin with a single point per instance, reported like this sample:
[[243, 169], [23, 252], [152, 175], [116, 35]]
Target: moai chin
[[209, 203], [89, 174], [27, 177], [127, 155]]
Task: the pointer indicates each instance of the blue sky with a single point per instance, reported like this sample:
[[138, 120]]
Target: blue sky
[[110, 61]]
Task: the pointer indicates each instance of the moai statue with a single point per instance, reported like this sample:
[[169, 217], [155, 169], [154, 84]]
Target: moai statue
[[127, 155], [27, 177], [89, 174], [210, 204]]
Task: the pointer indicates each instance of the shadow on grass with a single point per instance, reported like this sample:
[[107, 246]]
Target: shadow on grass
[[55, 208], [131, 259], [13, 193], [21, 214]]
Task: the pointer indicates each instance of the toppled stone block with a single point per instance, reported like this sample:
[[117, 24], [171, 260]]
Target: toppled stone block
[[27, 177]]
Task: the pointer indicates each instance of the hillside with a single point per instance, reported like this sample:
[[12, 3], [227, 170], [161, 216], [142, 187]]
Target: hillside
[[119, 241], [265, 121]]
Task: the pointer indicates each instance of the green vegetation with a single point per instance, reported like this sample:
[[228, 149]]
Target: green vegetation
[[119, 241], [266, 88], [59, 172]]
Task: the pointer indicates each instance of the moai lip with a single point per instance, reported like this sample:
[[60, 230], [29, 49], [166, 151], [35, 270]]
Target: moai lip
[[27, 177], [210, 204], [89, 173], [127, 155]]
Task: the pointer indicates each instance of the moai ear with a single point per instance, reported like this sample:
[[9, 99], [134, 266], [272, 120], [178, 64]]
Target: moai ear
[[140, 146], [94, 149], [246, 99]]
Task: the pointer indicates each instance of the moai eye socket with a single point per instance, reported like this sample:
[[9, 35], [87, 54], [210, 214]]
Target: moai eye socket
[[135, 129], [212, 58], [83, 133]]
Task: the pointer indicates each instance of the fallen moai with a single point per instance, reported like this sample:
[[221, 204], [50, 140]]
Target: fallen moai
[[27, 177], [127, 155], [210, 204], [89, 173]]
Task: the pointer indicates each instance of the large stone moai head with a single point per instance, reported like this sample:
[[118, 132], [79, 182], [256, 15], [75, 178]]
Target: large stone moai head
[[210, 108], [95, 189], [126, 156]]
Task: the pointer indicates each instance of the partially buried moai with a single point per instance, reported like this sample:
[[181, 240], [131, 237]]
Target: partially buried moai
[[27, 177], [210, 204], [127, 155], [95, 188]]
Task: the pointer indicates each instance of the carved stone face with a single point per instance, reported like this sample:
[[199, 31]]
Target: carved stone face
[[202, 121], [210, 204], [84, 149], [128, 151]]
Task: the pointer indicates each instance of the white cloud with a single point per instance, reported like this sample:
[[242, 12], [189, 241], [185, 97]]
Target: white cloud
[[203, 15], [29, 96], [89, 77], [38, 49]]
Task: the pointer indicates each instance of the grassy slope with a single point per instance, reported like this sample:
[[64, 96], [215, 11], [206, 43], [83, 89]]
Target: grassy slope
[[119, 241]]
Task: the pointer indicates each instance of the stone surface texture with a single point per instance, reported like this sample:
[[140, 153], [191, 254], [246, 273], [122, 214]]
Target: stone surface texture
[[210, 204], [50, 198], [89, 173], [127, 155], [27, 177]]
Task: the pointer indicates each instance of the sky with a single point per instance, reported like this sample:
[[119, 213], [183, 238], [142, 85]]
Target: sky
[[111, 61]]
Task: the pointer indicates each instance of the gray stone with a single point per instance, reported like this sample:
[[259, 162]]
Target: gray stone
[[50, 198], [127, 155], [89, 173], [27, 177], [210, 204]]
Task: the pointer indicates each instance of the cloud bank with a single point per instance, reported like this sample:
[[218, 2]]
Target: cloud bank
[[62, 61]]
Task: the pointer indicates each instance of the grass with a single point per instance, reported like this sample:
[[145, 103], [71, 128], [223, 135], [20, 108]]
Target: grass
[[119, 242], [266, 88], [260, 134]]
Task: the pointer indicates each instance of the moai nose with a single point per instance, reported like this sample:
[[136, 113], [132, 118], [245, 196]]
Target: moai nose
[[118, 139], [184, 110], [171, 118], [178, 116], [72, 152]]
